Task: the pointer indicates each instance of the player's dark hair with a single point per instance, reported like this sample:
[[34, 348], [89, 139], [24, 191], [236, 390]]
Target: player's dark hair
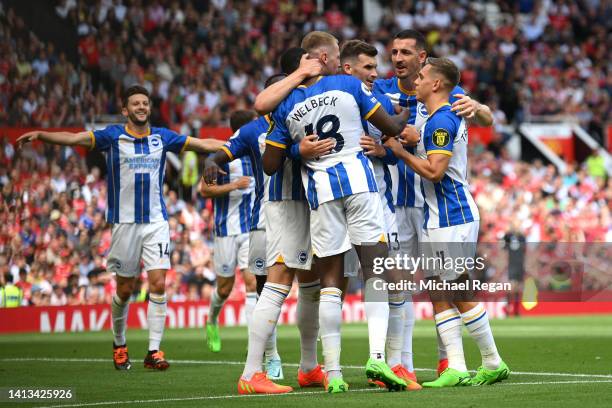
[[274, 79], [354, 48], [134, 90], [447, 69], [414, 35], [240, 118], [290, 59]]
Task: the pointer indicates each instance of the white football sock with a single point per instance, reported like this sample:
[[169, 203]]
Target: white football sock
[[448, 323], [308, 323], [441, 349], [376, 305], [330, 320], [156, 318], [250, 300], [216, 303], [409, 318], [477, 322], [119, 311], [395, 329], [265, 317], [271, 352]]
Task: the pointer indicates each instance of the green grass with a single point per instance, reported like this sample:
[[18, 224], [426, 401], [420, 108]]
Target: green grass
[[576, 345]]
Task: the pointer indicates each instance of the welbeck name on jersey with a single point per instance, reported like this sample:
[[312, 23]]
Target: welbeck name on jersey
[[312, 104]]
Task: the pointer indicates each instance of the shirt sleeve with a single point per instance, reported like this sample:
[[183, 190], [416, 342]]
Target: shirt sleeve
[[439, 136], [101, 140], [173, 142], [456, 90], [389, 158], [236, 146], [278, 134], [367, 102]]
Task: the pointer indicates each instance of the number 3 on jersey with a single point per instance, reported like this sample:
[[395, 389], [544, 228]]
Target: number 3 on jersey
[[324, 130]]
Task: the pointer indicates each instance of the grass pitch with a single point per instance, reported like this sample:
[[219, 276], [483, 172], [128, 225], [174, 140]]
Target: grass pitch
[[560, 361]]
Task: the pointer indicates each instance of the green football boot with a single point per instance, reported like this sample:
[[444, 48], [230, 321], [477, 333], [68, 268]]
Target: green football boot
[[449, 378], [379, 371], [213, 340], [485, 376], [336, 385]]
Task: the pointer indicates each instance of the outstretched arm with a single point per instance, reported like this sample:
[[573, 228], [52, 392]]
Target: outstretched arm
[[387, 124], [203, 145], [216, 190], [85, 139], [272, 96]]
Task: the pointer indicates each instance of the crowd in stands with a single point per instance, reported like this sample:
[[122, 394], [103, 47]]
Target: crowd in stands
[[54, 239], [203, 59]]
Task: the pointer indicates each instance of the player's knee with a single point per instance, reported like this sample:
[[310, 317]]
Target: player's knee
[[224, 291], [157, 286]]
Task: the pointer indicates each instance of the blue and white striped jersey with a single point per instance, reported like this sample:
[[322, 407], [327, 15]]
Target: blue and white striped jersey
[[233, 210], [449, 201], [406, 183], [249, 141], [136, 165], [381, 165], [331, 107]]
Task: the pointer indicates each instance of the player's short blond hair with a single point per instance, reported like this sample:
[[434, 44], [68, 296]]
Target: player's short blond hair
[[316, 39]]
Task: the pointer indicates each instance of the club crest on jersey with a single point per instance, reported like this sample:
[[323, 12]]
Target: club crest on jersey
[[423, 111], [440, 137], [365, 89], [155, 142], [302, 257]]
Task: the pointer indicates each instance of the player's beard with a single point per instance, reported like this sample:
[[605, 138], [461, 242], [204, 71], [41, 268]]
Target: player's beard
[[134, 119]]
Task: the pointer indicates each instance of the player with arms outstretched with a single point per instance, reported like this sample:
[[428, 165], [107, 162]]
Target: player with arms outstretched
[[135, 158]]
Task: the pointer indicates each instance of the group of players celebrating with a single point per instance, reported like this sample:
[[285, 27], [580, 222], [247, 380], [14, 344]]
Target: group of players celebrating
[[340, 169]]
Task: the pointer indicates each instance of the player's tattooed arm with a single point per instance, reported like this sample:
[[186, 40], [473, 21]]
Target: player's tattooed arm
[[219, 190], [432, 168], [58, 138], [472, 110], [204, 145], [273, 159], [273, 95]]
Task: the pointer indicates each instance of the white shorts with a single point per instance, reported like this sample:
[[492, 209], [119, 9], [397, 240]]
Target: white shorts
[[230, 251], [457, 243], [257, 252], [410, 226], [288, 234], [132, 242], [337, 224], [351, 263]]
